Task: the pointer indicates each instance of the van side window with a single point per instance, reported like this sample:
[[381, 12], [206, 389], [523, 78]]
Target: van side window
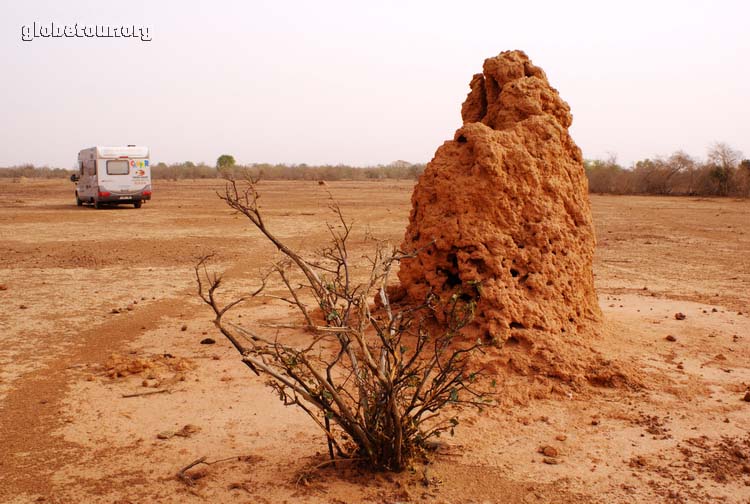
[[118, 167]]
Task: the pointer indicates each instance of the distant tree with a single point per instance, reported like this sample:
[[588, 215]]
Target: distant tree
[[606, 176], [722, 161], [723, 155], [684, 171], [743, 178], [225, 161]]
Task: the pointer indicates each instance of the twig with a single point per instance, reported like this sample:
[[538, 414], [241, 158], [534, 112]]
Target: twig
[[184, 477], [182, 473], [150, 392]]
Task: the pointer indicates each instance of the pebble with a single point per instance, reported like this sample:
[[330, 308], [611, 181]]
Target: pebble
[[679, 316], [670, 338], [548, 451]]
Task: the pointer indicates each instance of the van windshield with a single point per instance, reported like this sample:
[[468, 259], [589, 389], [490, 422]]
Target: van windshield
[[118, 167]]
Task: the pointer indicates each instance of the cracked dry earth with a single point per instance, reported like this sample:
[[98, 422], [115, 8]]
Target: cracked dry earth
[[99, 305]]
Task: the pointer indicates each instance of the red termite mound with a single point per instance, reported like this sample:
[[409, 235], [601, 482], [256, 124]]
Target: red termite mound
[[501, 215]]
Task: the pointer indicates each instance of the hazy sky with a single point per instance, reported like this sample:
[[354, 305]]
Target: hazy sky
[[363, 82]]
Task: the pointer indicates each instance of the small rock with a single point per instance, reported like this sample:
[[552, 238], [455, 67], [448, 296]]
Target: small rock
[[188, 430], [215, 357], [115, 310], [714, 310], [670, 338], [746, 469], [3, 287], [561, 437], [208, 341], [747, 397], [680, 316], [165, 435], [129, 308], [550, 461], [22, 307], [548, 451], [183, 328]]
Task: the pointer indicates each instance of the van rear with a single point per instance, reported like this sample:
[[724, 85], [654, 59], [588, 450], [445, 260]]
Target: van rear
[[114, 176]]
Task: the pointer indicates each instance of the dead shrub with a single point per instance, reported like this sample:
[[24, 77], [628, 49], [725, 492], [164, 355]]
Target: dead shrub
[[377, 383]]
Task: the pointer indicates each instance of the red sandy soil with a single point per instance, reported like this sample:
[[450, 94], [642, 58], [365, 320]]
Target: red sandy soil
[[69, 435]]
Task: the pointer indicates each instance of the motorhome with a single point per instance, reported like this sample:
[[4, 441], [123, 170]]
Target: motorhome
[[113, 176]]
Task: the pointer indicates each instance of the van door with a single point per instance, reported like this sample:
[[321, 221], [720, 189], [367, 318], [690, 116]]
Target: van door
[[88, 183], [115, 175]]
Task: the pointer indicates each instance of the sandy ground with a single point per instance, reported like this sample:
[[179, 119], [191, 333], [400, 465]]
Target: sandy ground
[[85, 291]]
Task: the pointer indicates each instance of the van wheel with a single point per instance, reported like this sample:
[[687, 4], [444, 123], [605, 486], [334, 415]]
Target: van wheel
[[79, 201], [137, 204], [97, 204]]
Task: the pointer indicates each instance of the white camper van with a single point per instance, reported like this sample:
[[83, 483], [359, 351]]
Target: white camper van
[[113, 176]]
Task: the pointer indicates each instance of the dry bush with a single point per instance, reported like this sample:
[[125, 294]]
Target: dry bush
[[189, 170], [376, 382], [28, 171], [721, 174]]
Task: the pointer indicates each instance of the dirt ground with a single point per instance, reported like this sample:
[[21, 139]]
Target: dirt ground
[[96, 305]]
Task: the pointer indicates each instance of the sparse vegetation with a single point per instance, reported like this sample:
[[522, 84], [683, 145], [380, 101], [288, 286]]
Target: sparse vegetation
[[30, 171], [188, 170], [376, 381], [721, 174]]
